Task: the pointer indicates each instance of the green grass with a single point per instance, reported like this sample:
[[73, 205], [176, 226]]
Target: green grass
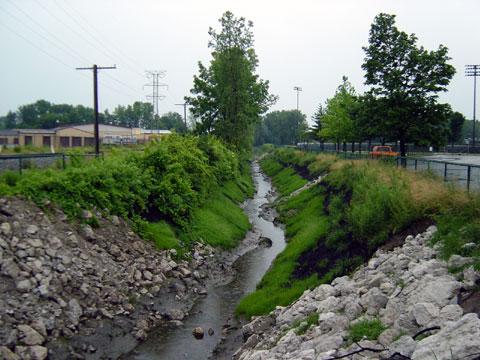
[[304, 226], [365, 329], [162, 235], [285, 180], [301, 326], [220, 221]]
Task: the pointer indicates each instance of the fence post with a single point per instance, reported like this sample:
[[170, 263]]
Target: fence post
[[445, 173], [63, 161], [20, 165], [416, 164], [428, 165], [469, 172]]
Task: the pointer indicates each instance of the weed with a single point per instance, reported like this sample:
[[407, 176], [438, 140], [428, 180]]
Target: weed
[[365, 329]]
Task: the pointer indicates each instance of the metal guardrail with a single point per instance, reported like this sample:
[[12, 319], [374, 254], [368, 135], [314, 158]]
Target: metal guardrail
[[21, 162], [463, 174]]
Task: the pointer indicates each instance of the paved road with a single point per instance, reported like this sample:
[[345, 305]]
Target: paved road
[[455, 158]]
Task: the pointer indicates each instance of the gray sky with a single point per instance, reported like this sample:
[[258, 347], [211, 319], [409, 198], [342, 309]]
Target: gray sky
[[309, 43]]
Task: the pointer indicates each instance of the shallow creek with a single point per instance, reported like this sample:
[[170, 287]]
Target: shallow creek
[[217, 309]]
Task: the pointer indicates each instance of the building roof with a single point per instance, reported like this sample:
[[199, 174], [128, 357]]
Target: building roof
[[36, 131], [9, 132], [155, 131], [89, 127]]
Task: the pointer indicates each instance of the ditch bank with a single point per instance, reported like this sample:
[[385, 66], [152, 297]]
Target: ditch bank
[[404, 304]]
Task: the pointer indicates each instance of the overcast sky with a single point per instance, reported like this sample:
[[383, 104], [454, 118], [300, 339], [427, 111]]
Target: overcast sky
[[307, 43]]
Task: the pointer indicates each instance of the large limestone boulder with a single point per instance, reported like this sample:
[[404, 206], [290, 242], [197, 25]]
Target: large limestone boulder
[[461, 338]]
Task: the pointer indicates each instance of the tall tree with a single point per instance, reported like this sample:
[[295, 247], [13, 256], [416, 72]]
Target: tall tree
[[337, 122], [172, 121], [228, 97], [314, 131], [286, 127], [455, 124], [408, 79]]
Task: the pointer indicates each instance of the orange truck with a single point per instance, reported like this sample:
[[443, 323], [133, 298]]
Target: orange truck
[[380, 151]]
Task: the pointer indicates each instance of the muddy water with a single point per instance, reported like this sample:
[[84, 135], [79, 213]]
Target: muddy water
[[217, 308]]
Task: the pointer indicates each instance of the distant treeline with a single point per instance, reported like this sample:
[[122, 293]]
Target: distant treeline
[[46, 115]]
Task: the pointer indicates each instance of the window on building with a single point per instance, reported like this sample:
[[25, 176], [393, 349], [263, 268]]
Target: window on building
[[3, 141], [76, 141], [28, 140], [15, 141], [47, 140], [64, 141], [89, 141]]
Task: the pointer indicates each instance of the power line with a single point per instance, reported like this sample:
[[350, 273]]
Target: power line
[[77, 54], [99, 42], [55, 57], [65, 49], [117, 49]]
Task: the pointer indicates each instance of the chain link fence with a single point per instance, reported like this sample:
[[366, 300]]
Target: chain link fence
[[466, 176], [21, 162]]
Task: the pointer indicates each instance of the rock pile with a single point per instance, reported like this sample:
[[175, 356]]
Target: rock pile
[[57, 281], [408, 290]]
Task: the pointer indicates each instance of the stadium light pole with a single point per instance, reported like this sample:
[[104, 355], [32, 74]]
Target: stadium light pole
[[473, 70], [297, 89]]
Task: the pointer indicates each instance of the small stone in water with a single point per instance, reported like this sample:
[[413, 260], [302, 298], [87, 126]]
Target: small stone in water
[[211, 332], [198, 333]]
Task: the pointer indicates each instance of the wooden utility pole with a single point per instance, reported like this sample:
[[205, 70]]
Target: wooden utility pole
[[95, 69]]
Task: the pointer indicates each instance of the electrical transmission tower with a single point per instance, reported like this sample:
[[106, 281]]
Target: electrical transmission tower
[[155, 75], [473, 70], [95, 69]]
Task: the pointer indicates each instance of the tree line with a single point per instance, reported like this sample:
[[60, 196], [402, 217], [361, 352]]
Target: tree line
[[401, 104], [43, 114]]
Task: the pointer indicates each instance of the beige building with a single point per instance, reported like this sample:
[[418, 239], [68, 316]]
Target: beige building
[[77, 135]]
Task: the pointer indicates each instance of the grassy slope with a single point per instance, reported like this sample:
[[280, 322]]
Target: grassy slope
[[219, 222], [335, 226]]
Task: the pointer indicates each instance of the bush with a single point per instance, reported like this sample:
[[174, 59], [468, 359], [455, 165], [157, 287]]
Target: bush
[[165, 184]]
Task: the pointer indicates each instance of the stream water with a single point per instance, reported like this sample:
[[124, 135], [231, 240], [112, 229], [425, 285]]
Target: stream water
[[218, 307]]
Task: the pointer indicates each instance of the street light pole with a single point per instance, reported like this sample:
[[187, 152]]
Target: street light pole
[[473, 70], [297, 89]]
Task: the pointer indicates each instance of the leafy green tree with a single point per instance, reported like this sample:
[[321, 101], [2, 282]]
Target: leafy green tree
[[173, 121], [408, 79], [139, 114], [456, 122], [228, 97], [337, 122], [286, 127], [9, 121]]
